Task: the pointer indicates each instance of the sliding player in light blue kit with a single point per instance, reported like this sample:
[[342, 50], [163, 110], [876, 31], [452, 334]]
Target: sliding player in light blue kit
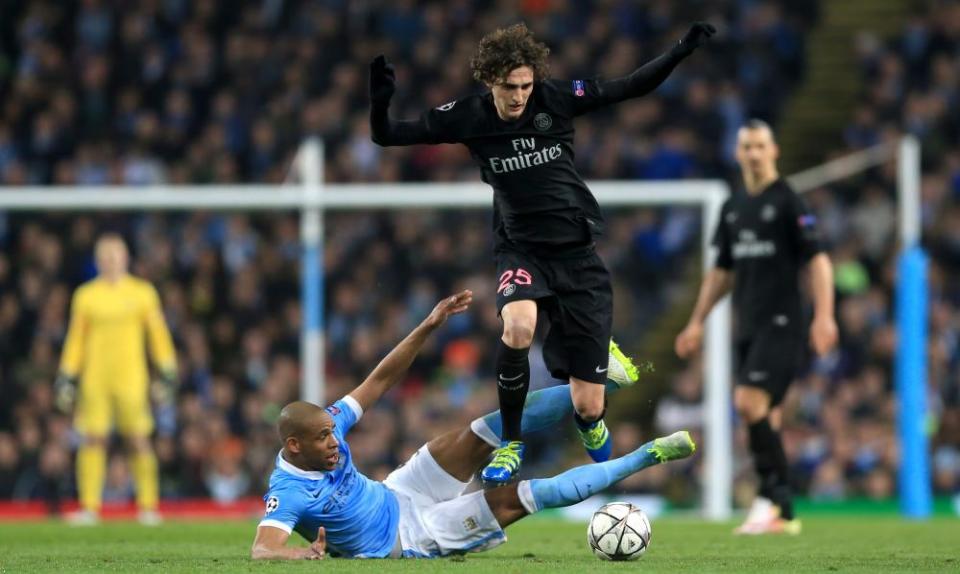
[[420, 510]]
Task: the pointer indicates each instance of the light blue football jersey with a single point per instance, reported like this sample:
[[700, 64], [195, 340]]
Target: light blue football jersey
[[360, 515]]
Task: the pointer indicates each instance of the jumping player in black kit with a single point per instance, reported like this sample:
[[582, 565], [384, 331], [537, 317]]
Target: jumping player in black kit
[[765, 236], [545, 219]]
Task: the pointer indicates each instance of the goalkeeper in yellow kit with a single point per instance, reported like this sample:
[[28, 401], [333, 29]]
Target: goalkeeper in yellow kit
[[114, 318]]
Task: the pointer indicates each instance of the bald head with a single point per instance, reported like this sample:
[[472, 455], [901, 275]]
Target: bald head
[[111, 255], [306, 432], [299, 417]]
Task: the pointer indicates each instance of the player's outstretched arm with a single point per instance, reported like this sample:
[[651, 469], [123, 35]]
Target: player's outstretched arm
[[160, 342], [646, 78], [270, 545], [394, 366], [823, 330], [716, 285], [162, 351], [65, 385], [383, 130]]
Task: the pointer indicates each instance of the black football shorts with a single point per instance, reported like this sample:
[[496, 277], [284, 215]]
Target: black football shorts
[[576, 297], [770, 359]]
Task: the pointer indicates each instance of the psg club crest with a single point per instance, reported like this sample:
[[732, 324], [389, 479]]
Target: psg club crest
[[542, 121], [578, 88], [769, 213]]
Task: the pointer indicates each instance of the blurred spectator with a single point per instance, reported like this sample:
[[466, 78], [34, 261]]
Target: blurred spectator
[[226, 480], [682, 408], [9, 465]]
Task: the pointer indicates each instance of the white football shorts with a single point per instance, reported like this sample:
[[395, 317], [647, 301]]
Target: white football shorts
[[436, 518]]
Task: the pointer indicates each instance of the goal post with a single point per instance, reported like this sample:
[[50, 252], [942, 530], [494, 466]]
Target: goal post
[[911, 304], [312, 197]]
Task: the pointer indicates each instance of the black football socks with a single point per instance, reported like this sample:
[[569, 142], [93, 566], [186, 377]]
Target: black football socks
[[513, 382], [770, 462]]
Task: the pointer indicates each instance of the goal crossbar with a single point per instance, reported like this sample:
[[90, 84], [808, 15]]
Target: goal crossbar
[[332, 196]]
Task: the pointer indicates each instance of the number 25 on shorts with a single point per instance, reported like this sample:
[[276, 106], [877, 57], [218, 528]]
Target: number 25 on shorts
[[519, 276]]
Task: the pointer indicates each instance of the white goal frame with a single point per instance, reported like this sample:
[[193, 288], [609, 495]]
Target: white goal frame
[[312, 198]]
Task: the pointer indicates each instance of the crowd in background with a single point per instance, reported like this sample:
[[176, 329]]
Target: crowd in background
[[840, 416], [843, 412], [100, 91], [170, 91]]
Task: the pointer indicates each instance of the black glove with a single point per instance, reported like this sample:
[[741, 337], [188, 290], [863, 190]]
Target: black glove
[[165, 388], [383, 81], [64, 392], [696, 36]]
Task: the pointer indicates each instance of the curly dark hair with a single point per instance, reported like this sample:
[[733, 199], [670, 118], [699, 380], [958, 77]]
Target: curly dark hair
[[505, 50]]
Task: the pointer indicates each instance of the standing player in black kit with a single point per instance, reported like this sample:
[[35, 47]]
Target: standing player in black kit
[[765, 236], [545, 219]]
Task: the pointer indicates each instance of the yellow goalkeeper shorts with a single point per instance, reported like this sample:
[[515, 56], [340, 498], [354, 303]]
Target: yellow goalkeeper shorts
[[106, 405]]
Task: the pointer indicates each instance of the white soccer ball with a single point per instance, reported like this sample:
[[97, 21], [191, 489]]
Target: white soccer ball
[[619, 531]]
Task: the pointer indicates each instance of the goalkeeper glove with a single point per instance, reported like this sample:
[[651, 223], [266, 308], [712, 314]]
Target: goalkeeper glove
[[165, 388], [696, 36], [383, 81], [64, 392]]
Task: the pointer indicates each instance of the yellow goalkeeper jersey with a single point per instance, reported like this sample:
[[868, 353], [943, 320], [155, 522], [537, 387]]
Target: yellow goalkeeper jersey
[[111, 327]]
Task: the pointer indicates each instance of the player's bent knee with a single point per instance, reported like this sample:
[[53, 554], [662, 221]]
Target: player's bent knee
[[750, 412], [588, 399], [751, 404], [589, 407], [519, 323], [518, 333], [589, 410]]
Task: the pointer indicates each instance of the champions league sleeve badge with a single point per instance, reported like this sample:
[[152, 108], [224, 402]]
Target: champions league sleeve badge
[[272, 503]]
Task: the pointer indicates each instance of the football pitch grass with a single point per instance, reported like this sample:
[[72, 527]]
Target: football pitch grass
[[828, 544]]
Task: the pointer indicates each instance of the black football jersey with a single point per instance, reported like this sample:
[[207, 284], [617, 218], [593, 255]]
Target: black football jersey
[[765, 239], [541, 204]]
